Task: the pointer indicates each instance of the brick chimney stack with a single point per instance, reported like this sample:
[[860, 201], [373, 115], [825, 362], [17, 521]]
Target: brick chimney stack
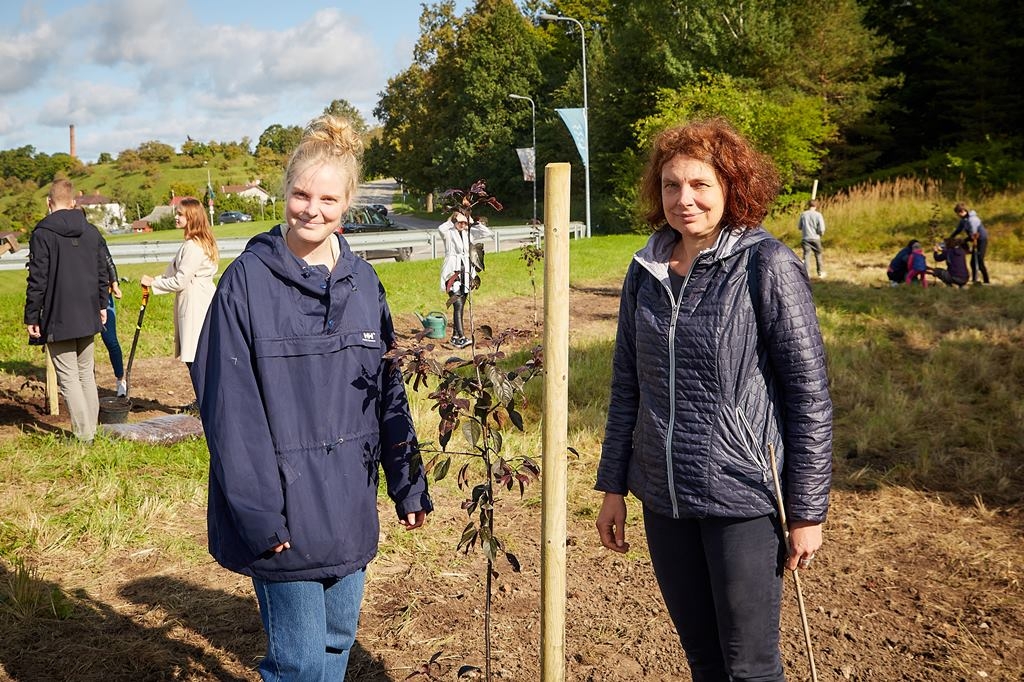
[[72, 140]]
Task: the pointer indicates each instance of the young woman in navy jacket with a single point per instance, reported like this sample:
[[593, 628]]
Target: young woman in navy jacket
[[301, 411]]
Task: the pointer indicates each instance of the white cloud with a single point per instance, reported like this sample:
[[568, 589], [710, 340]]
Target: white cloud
[[26, 57], [127, 71], [87, 103]]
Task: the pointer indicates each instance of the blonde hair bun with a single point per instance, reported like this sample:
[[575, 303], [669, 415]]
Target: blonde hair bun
[[327, 139]]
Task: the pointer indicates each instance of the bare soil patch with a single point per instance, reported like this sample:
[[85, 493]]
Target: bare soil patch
[[909, 586]]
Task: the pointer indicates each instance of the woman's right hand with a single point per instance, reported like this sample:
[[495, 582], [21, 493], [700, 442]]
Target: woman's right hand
[[146, 280], [611, 523], [280, 548]]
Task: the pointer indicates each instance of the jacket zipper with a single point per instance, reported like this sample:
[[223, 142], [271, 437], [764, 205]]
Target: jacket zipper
[[672, 388]]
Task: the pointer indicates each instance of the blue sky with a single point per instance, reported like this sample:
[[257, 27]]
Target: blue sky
[[128, 71]]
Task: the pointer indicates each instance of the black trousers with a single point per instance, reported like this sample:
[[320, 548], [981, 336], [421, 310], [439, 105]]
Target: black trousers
[[721, 580], [458, 307], [978, 260]]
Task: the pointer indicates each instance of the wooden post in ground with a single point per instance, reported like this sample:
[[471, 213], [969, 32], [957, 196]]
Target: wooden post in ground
[[556, 420], [814, 191], [52, 394]]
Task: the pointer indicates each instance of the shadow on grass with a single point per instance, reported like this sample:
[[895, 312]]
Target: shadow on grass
[[177, 630], [230, 623], [47, 634]]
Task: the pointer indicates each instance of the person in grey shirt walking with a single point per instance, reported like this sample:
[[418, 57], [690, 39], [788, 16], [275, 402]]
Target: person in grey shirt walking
[[812, 227]]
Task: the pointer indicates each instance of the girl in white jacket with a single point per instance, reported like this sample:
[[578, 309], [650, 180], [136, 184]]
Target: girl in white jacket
[[459, 269], [190, 277]]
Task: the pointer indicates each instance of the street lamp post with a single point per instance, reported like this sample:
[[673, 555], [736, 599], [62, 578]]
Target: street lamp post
[[586, 111], [209, 191], [533, 116]]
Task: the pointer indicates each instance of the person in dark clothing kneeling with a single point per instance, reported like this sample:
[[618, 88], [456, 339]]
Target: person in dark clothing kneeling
[[955, 256], [718, 359], [301, 409]]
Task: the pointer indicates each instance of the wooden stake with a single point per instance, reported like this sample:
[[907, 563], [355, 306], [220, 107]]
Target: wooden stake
[[52, 394], [556, 422], [814, 191]]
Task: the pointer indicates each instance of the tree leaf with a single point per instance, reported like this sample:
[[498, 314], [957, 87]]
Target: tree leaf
[[469, 535], [472, 432], [463, 478], [442, 469], [517, 419], [513, 561], [468, 670]]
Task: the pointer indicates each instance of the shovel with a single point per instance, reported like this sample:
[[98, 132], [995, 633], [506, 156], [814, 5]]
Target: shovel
[[135, 342], [114, 410]]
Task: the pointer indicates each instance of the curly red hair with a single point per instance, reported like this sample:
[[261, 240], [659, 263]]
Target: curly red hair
[[749, 177]]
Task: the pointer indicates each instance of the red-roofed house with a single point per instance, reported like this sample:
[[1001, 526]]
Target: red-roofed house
[[251, 190]]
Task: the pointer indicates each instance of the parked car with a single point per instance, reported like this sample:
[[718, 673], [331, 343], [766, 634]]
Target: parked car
[[365, 219], [233, 217]]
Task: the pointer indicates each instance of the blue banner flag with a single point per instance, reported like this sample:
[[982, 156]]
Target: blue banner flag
[[576, 121]]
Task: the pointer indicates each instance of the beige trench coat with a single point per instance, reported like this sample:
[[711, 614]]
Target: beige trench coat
[[190, 278]]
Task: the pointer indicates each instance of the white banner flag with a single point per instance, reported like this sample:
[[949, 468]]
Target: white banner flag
[[528, 160]]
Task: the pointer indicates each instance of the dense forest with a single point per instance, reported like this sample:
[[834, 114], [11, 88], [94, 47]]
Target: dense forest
[[841, 92]]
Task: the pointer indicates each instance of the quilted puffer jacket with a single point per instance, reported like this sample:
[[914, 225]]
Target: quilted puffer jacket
[[703, 384]]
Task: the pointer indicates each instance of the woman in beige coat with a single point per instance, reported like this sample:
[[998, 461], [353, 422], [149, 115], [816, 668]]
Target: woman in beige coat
[[190, 277]]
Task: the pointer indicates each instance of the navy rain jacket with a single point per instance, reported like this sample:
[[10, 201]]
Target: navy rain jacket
[[300, 408], [701, 386]]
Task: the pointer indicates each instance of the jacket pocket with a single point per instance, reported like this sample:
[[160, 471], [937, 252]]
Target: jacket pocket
[[316, 344]]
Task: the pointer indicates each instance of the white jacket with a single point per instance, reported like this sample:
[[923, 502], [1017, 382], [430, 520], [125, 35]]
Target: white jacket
[[457, 245], [190, 277]]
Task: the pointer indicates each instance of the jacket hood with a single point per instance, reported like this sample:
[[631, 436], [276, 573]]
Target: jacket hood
[[654, 256], [67, 222], [272, 250]]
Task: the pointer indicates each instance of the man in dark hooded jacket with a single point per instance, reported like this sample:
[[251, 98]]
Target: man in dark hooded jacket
[[66, 301]]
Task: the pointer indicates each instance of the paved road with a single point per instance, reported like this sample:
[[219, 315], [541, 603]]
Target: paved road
[[383, 192]]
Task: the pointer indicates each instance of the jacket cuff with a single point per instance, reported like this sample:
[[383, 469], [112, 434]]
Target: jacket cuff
[[413, 504]]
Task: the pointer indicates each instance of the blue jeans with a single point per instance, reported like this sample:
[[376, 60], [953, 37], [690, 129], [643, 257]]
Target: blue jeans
[[721, 580], [310, 625], [109, 336]]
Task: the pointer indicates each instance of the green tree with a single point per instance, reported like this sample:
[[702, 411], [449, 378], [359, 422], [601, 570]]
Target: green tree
[[960, 93], [155, 152], [279, 139], [343, 109], [447, 117]]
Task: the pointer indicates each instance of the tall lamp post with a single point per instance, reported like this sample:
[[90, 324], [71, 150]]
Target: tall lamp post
[[586, 111], [209, 191], [533, 116]]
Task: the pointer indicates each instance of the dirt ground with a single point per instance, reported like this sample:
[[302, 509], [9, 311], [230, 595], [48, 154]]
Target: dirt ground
[[908, 586]]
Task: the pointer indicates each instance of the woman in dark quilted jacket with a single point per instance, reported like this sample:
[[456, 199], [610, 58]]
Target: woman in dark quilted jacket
[[718, 359]]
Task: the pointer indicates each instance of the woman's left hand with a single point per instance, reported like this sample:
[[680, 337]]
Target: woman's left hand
[[146, 280], [413, 519], [804, 541]]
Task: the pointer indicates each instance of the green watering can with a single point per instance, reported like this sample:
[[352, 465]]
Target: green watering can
[[435, 323]]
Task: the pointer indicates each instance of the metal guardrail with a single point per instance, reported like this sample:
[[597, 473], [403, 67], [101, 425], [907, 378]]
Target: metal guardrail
[[163, 251]]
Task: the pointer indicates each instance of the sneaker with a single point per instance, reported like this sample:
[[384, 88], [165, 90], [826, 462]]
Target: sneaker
[[122, 388], [460, 342]]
